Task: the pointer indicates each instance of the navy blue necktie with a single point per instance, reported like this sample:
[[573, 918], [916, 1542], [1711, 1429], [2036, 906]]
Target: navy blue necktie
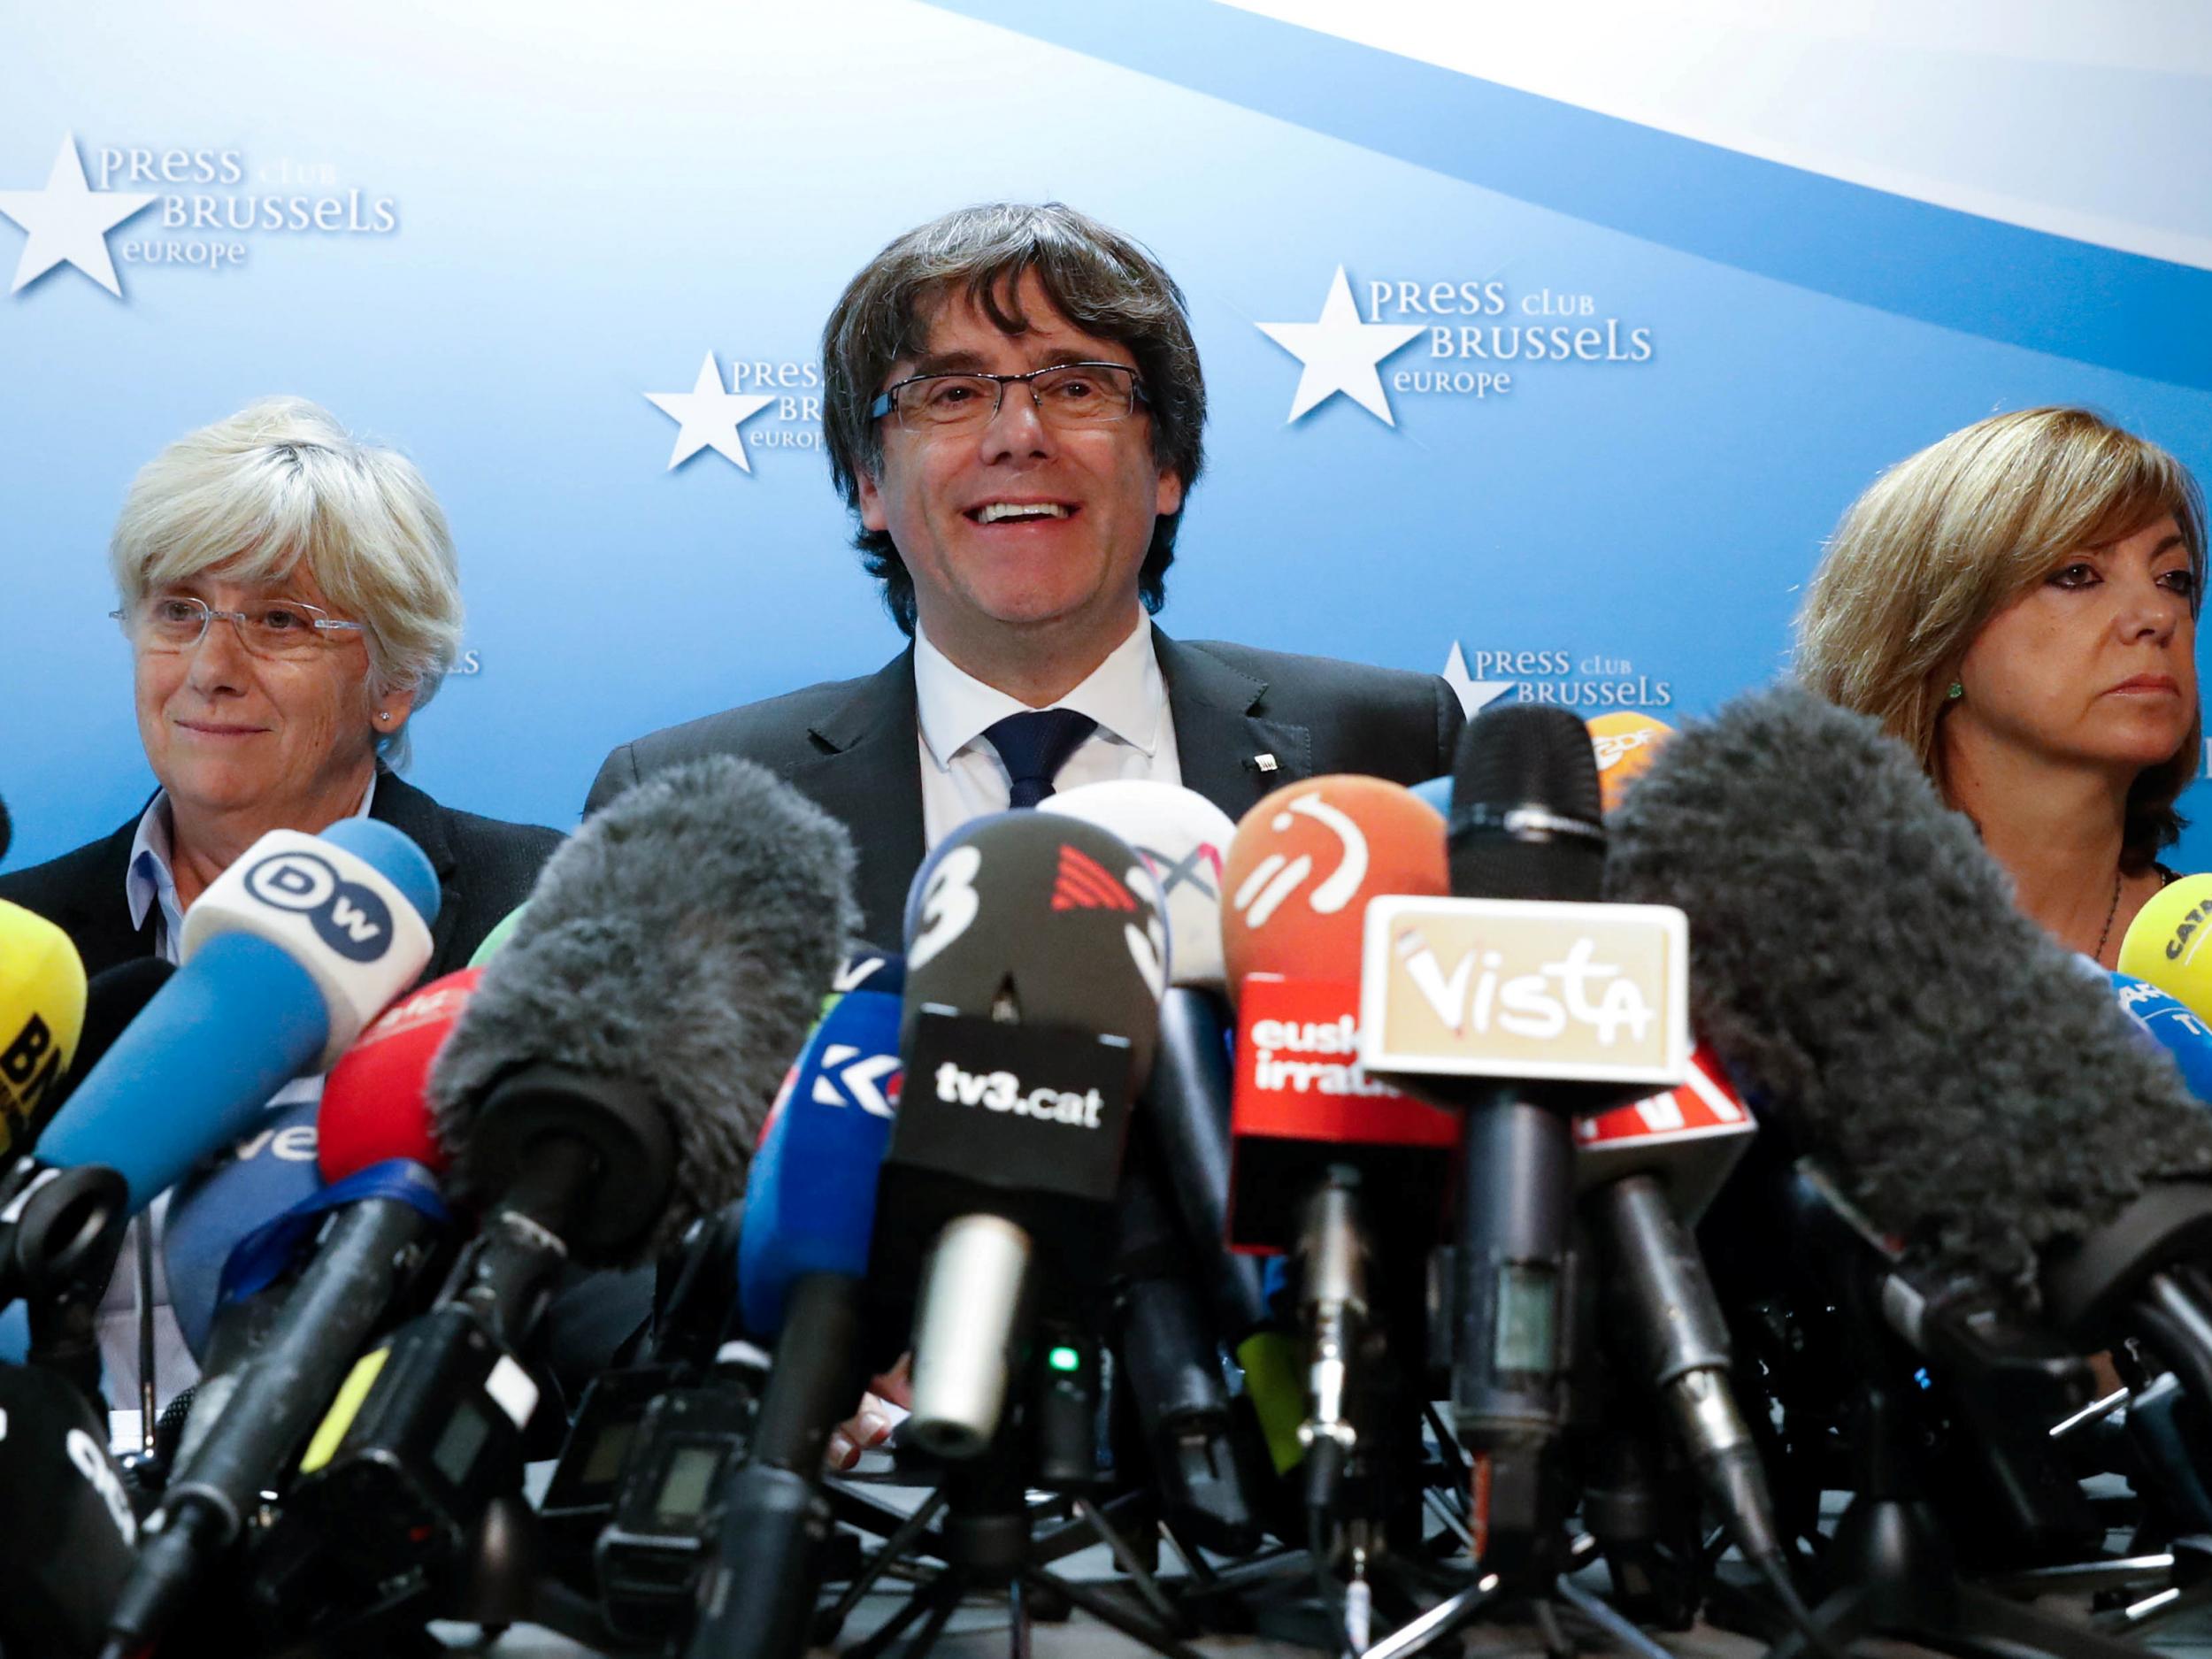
[[1034, 746]]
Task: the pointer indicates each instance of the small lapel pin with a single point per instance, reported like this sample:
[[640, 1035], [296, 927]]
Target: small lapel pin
[[1265, 762]]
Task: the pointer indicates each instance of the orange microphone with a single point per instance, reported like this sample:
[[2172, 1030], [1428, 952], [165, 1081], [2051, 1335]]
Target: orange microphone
[[1326, 1162], [1625, 745]]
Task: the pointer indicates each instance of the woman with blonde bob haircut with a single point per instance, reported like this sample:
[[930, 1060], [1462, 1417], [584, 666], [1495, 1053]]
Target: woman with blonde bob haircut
[[2018, 604], [292, 598]]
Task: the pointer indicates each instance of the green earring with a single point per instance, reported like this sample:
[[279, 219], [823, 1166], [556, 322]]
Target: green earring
[[1955, 691]]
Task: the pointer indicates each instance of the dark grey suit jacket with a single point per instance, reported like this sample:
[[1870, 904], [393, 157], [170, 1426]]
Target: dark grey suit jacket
[[485, 868], [848, 745]]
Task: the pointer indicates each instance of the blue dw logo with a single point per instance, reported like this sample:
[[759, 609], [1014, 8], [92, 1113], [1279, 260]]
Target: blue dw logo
[[350, 919]]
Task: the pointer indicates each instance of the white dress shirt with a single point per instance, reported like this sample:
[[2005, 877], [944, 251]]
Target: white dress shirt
[[963, 777], [149, 885]]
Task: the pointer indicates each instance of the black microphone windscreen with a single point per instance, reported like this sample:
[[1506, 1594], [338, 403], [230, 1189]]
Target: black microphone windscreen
[[1527, 820], [1856, 958], [681, 940]]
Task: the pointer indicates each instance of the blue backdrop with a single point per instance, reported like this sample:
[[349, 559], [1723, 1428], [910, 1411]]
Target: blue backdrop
[[490, 234]]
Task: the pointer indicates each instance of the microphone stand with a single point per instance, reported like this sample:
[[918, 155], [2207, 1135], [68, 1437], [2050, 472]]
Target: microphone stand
[[980, 1526]]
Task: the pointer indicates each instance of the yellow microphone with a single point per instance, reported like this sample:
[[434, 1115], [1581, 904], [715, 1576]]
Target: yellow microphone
[[2169, 943], [41, 1017]]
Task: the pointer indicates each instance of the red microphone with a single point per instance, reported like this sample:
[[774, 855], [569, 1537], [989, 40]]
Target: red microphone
[[1300, 872], [376, 1099], [1326, 1162]]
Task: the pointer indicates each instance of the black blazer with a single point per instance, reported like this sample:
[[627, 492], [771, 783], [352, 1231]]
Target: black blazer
[[1246, 722], [485, 868]]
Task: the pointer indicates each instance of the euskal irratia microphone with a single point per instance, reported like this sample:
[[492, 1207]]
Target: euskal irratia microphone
[[2004, 1122], [1521, 1014], [803, 1256], [372, 1230], [1329, 1163], [600, 1091], [1035, 962]]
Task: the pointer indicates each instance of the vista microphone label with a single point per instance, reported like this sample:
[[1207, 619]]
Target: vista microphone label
[[1512, 989]]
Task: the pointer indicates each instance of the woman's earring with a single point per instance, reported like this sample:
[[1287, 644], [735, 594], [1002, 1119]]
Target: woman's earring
[[1955, 691]]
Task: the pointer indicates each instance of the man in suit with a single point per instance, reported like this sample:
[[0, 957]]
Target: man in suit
[[1013, 408]]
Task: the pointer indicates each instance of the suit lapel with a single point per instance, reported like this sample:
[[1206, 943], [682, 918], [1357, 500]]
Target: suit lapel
[[868, 776], [1218, 740], [98, 915], [416, 815]]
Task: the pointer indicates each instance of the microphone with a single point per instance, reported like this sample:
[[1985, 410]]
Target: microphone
[[1313, 1133], [1552, 1003], [282, 1352], [1174, 1200], [7, 830], [1645, 1173], [1035, 962], [802, 1254], [43, 994], [59, 1231], [375, 1108], [1625, 745], [495, 941], [2173, 1026], [2164, 944], [1952, 1120], [66, 1514], [214, 1208], [286, 955], [600, 1092]]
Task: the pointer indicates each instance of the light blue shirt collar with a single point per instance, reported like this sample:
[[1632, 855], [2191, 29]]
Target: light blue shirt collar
[[148, 880]]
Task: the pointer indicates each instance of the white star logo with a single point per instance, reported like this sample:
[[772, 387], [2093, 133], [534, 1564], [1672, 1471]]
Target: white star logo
[[707, 417], [1474, 695], [1341, 353], [69, 222]]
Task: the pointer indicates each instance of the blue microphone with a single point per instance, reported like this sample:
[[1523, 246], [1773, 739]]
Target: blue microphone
[[2171, 1023], [811, 1199], [810, 1217], [286, 957], [267, 1173]]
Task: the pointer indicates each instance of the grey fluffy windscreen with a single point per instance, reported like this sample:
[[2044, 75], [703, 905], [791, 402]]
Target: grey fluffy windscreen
[[682, 938], [1856, 959]]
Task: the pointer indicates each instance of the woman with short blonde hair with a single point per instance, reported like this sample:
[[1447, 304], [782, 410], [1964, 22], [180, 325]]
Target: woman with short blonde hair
[[2018, 602]]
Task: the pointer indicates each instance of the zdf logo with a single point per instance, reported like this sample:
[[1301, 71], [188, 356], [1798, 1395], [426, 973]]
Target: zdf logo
[[350, 919]]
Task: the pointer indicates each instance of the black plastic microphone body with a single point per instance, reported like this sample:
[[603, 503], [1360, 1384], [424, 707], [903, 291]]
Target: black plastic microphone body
[[277, 1398]]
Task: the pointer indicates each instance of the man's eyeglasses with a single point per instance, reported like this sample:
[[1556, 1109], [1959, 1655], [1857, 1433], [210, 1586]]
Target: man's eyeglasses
[[1066, 395], [272, 627]]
